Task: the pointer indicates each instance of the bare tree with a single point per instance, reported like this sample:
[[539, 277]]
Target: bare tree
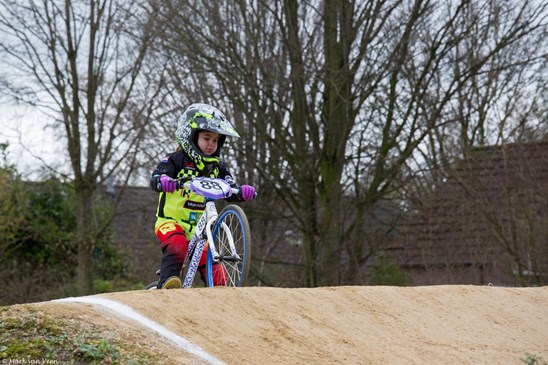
[[83, 64], [463, 79], [337, 97], [502, 102]]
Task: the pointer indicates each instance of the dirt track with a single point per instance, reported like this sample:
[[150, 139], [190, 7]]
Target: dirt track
[[338, 325]]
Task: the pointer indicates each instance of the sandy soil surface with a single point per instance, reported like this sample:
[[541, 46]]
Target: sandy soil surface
[[335, 325]]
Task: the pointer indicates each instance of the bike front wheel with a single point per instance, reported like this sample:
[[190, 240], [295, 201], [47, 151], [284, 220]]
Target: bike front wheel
[[232, 240]]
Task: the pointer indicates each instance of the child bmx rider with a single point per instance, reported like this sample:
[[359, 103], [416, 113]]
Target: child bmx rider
[[201, 133]]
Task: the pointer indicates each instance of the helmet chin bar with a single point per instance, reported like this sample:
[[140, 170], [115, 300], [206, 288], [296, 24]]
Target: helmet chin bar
[[208, 165], [209, 169]]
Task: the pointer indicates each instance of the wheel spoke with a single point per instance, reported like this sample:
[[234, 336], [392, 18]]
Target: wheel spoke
[[235, 264]]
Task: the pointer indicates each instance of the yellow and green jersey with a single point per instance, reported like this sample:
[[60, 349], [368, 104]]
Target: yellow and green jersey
[[182, 206]]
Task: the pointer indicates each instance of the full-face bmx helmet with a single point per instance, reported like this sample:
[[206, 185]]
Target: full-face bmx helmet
[[203, 117]]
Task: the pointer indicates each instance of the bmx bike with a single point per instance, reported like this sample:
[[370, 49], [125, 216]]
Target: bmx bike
[[226, 235]]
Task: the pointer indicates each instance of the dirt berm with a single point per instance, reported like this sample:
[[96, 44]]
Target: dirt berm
[[333, 325]]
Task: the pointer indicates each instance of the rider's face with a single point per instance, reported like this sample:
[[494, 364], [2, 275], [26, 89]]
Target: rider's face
[[207, 142]]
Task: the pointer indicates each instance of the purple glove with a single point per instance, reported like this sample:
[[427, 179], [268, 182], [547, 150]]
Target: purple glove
[[168, 184], [247, 192]]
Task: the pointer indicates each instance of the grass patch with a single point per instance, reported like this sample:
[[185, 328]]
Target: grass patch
[[533, 360], [32, 336]]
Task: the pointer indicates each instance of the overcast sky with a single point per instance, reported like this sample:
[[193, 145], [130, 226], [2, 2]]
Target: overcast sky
[[28, 137]]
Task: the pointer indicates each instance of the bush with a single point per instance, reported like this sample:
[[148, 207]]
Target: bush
[[39, 257], [386, 273], [533, 360]]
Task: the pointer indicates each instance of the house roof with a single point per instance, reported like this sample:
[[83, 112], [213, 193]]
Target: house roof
[[133, 230], [493, 203]]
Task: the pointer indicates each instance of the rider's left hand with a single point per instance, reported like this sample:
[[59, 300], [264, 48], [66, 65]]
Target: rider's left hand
[[247, 192]]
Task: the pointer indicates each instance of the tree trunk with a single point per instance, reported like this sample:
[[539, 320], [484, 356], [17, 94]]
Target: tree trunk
[[336, 117], [86, 240], [330, 246]]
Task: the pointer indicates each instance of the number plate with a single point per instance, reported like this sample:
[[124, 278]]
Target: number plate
[[211, 188]]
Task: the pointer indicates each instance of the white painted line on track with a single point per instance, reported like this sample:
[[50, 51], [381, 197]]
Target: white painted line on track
[[130, 313]]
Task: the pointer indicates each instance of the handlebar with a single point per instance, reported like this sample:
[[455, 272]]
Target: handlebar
[[183, 183]]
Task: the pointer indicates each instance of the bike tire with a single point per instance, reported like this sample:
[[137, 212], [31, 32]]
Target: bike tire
[[236, 269]]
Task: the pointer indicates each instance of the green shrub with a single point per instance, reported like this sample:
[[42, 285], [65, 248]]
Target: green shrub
[[39, 254], [387, 273], [533, 360]]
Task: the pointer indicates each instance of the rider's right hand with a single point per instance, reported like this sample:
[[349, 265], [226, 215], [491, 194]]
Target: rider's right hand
[[168, 184]]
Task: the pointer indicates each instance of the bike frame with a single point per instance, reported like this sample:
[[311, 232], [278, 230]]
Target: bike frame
[[202, 234]]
